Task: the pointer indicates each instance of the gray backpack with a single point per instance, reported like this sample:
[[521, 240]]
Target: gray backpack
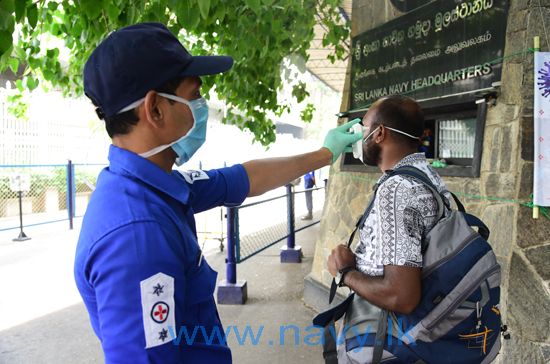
[[458, 318]]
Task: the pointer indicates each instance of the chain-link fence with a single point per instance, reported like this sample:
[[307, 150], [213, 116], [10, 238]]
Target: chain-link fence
[[255, 226], [49, 193], [43, 200], [85, 178], [265, 223]]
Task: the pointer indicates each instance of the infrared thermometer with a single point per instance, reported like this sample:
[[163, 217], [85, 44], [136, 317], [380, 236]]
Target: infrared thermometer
[[357, 147]]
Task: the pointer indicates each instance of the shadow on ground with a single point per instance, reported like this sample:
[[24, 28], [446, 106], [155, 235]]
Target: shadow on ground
[[275, 305]]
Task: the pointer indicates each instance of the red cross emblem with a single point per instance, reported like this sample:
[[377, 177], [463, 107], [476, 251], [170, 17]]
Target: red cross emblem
[[159, 312], [541, 139], [541, 112], [541, 157]]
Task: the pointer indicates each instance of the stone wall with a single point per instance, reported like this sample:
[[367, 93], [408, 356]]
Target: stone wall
[[521, 243], [527, 294]]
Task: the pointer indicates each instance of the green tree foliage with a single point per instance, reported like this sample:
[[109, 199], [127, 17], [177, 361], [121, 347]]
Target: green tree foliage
[[258, 34]]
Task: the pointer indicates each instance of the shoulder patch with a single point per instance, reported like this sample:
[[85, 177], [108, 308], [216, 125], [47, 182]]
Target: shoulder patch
[[157, 306], [192, 176]]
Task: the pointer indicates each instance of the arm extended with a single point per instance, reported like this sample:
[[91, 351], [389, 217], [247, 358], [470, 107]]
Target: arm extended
[[270, 173]]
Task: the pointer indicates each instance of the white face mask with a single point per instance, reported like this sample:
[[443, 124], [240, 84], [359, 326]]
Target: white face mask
[[358, 146]]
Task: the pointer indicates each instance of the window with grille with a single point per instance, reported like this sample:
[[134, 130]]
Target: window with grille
[[456, 138]]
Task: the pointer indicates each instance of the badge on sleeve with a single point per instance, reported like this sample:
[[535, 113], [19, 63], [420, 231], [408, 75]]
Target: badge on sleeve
[[192, 176], [157, 305]]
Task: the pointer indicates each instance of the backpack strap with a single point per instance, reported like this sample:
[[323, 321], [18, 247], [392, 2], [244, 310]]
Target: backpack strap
[[459, 204], [378, 349], [330, 352], [483, 230], [417, 174], [363, 218], [360, 222], [327, 320]]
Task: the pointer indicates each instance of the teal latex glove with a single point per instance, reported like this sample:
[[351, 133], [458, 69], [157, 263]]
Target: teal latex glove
[[340, 139]]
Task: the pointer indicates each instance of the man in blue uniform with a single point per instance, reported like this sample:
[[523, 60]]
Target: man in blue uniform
[[138, 266]]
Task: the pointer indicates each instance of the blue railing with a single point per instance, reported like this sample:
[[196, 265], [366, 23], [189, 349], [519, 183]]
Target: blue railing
[[244, 245], [58, 192]]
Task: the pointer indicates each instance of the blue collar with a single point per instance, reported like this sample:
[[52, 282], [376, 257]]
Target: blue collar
[[128, 163]]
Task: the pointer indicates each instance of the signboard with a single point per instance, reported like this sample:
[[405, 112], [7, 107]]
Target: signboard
[[541, 191], [20, 182], [446, 47], [408, 5]]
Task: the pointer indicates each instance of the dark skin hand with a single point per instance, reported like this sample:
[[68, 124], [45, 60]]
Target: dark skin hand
[[398, 290]]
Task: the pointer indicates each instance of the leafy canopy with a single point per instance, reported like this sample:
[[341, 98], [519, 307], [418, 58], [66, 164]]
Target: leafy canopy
[[258, 34]]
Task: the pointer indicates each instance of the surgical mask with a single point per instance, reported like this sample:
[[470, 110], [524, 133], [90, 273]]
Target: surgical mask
[[371, 156], [188, 144]]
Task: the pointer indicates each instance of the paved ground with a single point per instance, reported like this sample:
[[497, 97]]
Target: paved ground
[[42, 319]]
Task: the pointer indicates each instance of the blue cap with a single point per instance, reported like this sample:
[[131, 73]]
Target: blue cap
[[134, 60]]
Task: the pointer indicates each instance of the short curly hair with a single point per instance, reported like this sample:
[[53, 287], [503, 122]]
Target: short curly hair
[[401, 113]]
